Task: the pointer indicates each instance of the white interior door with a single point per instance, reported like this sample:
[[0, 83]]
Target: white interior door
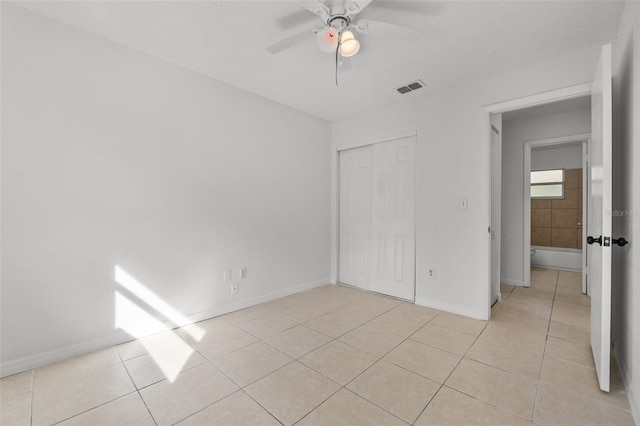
[[355, 216], [393, 218], [599, 223]]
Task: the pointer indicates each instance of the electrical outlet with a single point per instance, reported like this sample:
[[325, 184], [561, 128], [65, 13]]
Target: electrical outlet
[[235, 289], [431, 273], [243, 273], [226, 277]]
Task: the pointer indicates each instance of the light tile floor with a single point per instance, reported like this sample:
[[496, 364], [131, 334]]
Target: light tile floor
[[335, 355]]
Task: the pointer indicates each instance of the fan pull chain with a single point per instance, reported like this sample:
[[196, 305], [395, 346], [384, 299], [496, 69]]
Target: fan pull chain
[[337, 56]]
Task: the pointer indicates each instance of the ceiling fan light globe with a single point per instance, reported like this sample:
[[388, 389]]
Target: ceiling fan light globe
[[327, 40], [346, 36], [349, 48]]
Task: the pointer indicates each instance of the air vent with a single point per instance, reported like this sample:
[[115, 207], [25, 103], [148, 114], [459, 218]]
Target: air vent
[[415, 85]]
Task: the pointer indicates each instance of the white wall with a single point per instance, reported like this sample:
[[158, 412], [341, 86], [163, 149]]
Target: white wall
[[453, 152], [514, 134], [111, 157], [557, 157], [626, 282]]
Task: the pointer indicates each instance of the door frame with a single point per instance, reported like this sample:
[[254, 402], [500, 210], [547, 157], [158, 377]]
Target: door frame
[[562, 94], [336, 211], [528, 145], [495, 229]]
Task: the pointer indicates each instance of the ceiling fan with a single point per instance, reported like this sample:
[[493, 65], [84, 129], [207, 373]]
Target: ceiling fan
[[335, 35]]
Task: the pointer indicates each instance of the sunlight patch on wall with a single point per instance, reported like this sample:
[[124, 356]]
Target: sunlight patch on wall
[[138, 323], [173, 353], [134, 286]]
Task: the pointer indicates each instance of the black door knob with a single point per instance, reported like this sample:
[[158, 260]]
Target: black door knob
[[591, 240], [620, 241]]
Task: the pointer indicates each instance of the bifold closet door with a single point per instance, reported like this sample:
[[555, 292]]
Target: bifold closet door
[[393, 218], [355, 217], [377, 219]]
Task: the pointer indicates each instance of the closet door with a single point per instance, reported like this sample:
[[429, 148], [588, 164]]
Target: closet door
[[393, 218], [355, 217]]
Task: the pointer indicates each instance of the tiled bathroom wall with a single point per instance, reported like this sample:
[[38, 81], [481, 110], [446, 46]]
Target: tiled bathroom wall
[[558, 222]]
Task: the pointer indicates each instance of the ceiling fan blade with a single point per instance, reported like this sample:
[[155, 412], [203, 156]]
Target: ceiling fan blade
[[317, 7], [353, 7], [289, 41], [376, 25], [410, 6], [295, 20]]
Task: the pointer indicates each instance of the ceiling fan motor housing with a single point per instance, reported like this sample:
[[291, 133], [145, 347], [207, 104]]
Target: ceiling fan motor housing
[[339, 22]]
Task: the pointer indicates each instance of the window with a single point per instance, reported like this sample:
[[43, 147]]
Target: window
[[547, 184]]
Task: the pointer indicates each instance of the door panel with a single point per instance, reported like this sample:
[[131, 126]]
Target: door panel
[[599, 223], [355, 216], [393, 221]]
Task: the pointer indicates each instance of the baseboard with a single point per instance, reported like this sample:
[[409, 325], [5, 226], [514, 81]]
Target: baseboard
[[28, 362], [632, 393], [559, 268], [423, 301], [18, 365], [509, 281], [247, 303]]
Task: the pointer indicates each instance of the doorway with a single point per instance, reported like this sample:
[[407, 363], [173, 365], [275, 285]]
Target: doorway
[[377, 217], [522, 130], [555, 205]]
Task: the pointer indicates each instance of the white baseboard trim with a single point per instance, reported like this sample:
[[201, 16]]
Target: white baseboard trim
[[632, 393], [247, 303], [28, 362], [559, 268], [423, 301], [18, 365], [518, 283]]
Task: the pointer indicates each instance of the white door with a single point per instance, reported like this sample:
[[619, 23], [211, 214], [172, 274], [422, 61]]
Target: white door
[[496, 187], [393, 213], [599, 223], [355, 216]]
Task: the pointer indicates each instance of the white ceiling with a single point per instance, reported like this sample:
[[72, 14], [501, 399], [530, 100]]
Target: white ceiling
[[459, 39]]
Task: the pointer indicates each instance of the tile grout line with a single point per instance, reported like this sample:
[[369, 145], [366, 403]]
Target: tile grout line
[[462, 357], [546, 340], [506, 371], [379, 358], [225, 397], [399, 366], [33, 384], [97, 406], [333, 339], [94, 407], [242, 388], [257, 402], [136, 387]]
